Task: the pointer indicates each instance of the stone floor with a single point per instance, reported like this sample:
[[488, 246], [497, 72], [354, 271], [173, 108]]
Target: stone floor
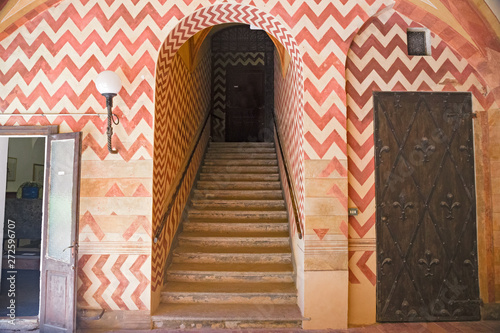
[[449, 327]]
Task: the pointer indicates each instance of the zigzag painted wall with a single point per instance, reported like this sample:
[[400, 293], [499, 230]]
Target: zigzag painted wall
[[378, 61], [48, 62], [182, 101], [220, 63]]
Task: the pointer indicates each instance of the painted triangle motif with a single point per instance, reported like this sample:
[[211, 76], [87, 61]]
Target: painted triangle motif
[[114, 191], [141, 192], [321, 233]]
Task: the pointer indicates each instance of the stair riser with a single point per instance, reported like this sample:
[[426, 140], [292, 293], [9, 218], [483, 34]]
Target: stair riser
[[227, 298], [244, 162], [235, 227], [203, 185], [240, 169], [236, 258], [237, 215], [238, 195], [278, 216], [219, 277], [219, 241], [242, 144], [244, 150], [239, 205], [225, 177], [240, 156], [248, 219], [222, 324]]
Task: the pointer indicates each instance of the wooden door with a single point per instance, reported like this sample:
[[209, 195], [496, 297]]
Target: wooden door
[[426, 210], [59, 237], [245, 97]]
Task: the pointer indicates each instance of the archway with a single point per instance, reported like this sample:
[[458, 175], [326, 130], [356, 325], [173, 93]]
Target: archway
[[173, 135]]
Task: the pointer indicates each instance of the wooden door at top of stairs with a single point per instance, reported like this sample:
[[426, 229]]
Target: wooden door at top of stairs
[[245, 107], [426, 207]]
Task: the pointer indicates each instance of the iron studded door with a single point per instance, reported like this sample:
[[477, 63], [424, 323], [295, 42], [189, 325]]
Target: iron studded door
[[426, 209]]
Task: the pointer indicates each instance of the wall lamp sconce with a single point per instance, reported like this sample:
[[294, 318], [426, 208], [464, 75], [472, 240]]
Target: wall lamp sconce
[[108, 83]]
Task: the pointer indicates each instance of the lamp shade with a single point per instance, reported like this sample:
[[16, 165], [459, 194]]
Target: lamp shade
[[108, 82]]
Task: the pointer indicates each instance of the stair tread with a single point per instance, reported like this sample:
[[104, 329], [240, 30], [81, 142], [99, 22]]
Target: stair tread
[[233, 249], [232, 267], [204, 176], [259, 156], [240, 162], [229, 288], [199, 311], [241, 150], [242, 167], [235, 201], [237, 182], [239, 185], [247, 143], [238, 212], [259, 193], [238, 222], [232, 234]]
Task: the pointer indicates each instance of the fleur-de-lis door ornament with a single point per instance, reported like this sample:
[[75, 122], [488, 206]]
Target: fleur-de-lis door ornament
[[403, 205], [449, 205], [425, 148], [428, 262]]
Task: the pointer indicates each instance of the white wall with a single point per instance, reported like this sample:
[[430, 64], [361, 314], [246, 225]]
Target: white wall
[[28, 151]]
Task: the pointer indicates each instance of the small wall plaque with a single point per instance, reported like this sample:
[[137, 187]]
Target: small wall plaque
[[353, 211]]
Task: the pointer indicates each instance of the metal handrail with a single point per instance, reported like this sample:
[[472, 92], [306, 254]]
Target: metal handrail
[[291, 187], [173, 195]]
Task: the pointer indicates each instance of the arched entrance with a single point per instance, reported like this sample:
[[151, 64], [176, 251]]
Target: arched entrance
[[174, 132]]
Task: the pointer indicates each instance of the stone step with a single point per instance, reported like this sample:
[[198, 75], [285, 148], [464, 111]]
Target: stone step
[[238, 204], [242, 144], [245, 150], [226, 316], [240, 169], [247, 239], [230, 272], [238, 215], [241, 156], [229, 293], [235, 226], [209, 185], [238, 194], [247, 162], [238, 254], [239, 177]]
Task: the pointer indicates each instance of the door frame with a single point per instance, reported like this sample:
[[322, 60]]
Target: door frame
[[30, 323]]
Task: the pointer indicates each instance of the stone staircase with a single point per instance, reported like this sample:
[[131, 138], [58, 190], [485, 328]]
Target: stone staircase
[[233, 266]]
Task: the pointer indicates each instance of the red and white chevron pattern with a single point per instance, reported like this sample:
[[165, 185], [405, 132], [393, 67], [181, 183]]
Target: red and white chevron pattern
[[123, 282], [362, 267], [287, 92], [323, 30], [182, 100], [378, 61], [48, 64]]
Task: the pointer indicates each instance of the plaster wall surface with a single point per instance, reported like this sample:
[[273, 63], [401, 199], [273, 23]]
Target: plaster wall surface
[[47, 66]]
